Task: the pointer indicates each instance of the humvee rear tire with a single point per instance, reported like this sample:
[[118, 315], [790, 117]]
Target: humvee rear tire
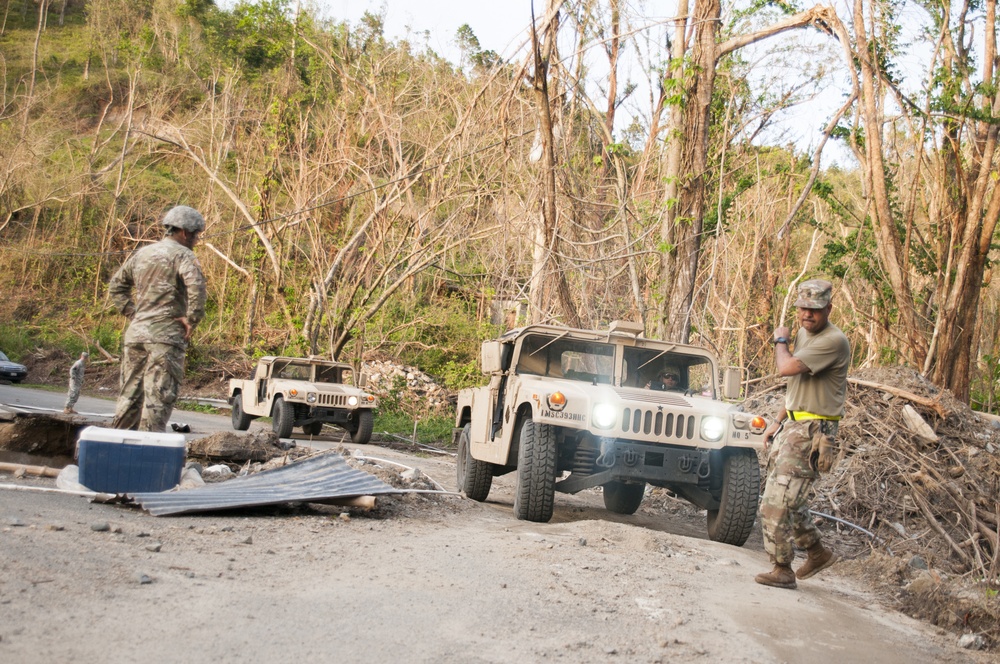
[[475, 477], [313, 428], [733, 521], [536, 472], [241, 421], [623, 497], [362, 432], [282, 417]]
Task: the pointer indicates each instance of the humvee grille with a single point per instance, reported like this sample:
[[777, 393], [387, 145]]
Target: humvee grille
[[656, 423], [336, 400]]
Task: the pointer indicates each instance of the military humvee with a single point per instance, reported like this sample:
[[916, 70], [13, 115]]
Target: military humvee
[[303, 392], [571, 409]]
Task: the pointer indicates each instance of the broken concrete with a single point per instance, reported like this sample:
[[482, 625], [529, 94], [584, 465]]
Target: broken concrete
[[260, 445]]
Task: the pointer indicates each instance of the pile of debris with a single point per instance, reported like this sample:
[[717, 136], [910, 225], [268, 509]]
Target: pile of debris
[[919, 473], [407, 385]]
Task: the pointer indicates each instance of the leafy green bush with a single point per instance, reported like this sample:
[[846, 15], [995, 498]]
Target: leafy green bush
[[17, 341]]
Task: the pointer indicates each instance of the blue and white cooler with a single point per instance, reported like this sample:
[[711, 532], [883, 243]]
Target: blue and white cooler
[[123, 461]]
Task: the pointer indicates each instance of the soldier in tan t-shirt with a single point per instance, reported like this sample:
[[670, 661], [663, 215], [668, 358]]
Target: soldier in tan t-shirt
[[814, 403]]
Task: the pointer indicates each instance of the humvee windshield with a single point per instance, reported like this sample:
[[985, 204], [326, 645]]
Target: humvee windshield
[[588, 361], [325, 374], [291, 371], [593, 362], [643, 367]]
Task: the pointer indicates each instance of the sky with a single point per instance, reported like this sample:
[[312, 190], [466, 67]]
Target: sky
[[501, 26]]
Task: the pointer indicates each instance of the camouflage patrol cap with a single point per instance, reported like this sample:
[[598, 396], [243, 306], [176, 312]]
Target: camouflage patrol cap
[[814, 294], [184, 217]]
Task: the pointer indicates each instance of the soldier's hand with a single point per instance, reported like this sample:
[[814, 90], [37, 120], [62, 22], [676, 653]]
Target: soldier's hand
[[187, 327], [769, 433]]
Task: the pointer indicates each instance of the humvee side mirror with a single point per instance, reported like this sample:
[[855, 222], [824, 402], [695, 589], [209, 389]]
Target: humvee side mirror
[[491, 357], [732, 380], [362, 380]]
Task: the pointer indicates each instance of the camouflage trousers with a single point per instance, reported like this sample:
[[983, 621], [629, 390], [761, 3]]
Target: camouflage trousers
[[784, 510], [150, 379], [74, 392]]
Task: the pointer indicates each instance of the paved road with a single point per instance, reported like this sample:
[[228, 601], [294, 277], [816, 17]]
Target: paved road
[[99, 412]]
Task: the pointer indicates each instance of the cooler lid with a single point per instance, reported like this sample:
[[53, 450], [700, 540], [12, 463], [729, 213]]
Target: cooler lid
[[127, 437]]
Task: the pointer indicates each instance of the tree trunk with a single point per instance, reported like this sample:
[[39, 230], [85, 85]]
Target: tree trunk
[[890, 248], [548, 279], [680, 230]]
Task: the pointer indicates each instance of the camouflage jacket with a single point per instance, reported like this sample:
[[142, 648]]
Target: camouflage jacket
[[77, 370], [154, 287]]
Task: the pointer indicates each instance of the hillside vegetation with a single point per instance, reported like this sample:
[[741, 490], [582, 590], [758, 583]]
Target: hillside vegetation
[[366, 197]]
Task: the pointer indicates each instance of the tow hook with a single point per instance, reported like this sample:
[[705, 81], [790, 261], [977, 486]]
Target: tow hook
[[630, 458]]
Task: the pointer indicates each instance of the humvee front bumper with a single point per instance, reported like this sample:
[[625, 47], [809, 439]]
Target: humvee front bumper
[[331, 415], [630, 460]]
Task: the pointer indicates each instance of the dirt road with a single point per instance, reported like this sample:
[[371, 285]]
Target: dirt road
[[423, 579]]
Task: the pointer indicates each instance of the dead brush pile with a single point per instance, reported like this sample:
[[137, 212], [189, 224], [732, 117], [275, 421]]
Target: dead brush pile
[[927, 498]]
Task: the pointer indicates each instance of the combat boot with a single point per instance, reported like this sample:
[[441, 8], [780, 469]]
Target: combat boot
[[69, 411], [781, 576], [819, 559]]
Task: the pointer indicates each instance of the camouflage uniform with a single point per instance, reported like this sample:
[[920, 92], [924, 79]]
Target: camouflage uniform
[[815, 403], [75, 382], [156, 285], [784, 510]]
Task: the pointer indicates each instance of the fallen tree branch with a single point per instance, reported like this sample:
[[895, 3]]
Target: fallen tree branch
[[933, 404], [41, 471], [933, 523]]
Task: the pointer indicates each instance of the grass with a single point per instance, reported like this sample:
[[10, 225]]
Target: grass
[[433, 430]]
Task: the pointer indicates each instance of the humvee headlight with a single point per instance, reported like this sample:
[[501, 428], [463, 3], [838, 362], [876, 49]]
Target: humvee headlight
[[311, 397], [712, 428], [604, 416], [557, 401], [352, 401]]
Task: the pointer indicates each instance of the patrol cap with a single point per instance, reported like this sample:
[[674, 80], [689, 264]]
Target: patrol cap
[[814, 294], [184, 217]]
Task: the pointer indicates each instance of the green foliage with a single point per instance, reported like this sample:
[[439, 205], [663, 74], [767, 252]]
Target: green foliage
[[195, 407], [433, 430], [17, 341], [985, 384], [256, 35]]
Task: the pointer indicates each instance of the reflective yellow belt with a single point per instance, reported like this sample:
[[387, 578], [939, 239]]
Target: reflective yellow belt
[[796, 415]]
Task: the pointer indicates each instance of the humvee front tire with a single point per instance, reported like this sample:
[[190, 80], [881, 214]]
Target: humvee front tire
[[623, 497], [362, 431], [475, 477], [282, 417], [733, 521], [536, 472], [241, 421]]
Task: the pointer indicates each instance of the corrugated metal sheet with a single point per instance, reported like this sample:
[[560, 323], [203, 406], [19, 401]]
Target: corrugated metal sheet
[[316, 479]]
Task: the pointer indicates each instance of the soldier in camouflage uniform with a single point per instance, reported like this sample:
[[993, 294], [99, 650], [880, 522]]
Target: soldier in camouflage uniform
[[814, 403], [161, 289], [75, 382]]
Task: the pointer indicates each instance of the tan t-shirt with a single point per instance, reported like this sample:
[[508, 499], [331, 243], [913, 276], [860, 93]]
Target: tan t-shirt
[[823, 390]]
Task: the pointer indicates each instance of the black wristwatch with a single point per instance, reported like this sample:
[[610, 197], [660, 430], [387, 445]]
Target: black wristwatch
[[781, 340]]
